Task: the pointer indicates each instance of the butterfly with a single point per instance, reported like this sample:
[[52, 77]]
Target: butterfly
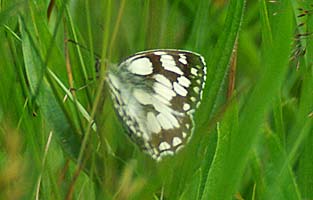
[[155, 94]]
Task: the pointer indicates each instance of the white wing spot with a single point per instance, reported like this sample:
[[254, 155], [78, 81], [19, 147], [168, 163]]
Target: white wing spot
[[163, 80], [171, 119], [165, 153], [152, 123], [182, 80], [196, 89], [120, 112], [161, 99], [194, 71], [138, 133], [164, 146], [179, 148], [179, 89], [176, 141], [146, 136], [164, 122], [149, 149], [141, 66], [142, 97], [193, 99], [186, 106], [155, 150], [165, 117], [132, 128], [169, 64], [184, 134], [182, 59], [161, 107], [129, 122], [198, 81], [164, 91], [191, 111]]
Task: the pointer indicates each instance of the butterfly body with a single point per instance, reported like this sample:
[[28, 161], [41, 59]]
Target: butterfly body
[[155, 94]]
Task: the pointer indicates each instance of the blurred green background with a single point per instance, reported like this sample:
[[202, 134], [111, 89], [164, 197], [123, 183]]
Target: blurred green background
[[250, 142]]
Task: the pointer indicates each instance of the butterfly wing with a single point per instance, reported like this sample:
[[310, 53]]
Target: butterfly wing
[[155, 93]]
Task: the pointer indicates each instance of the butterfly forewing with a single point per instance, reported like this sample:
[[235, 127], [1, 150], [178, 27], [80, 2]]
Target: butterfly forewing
[[155, 94]]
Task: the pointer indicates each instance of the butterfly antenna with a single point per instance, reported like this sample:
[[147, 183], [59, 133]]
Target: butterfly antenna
[[97, 56], [78, 89]]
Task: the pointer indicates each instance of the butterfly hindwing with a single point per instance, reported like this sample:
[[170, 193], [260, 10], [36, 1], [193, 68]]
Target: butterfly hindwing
[[155, 93]]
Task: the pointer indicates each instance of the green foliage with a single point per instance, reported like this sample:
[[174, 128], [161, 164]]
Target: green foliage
[[59, 135]]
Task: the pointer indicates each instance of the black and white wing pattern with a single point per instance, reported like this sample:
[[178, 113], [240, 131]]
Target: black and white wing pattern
[[155, 94]]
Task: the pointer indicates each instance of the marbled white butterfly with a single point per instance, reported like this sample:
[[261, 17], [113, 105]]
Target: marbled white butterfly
[[155, 94]]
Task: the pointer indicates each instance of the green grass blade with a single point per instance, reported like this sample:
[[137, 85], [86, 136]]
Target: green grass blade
[[218, 65], [281, 181], [213, 188], [45, 97], [274, 68]]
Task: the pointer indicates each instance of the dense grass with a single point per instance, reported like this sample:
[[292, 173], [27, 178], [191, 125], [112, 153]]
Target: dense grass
[[253, 142]]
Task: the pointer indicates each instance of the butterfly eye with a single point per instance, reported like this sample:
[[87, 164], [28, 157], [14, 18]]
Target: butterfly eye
[[155, 94]]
